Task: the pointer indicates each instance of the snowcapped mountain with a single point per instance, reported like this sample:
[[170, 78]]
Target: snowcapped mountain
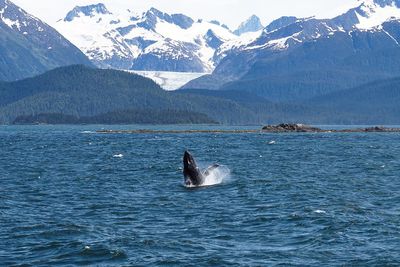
[[28, 46], [153, 40], [311, 56], [370, 15], [253, 24], [289, 32]]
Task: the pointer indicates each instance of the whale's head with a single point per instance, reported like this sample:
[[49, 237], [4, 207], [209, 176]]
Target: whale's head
[[191, 172]]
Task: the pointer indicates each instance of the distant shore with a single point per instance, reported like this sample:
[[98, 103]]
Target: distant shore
[[281, 128], [174, 131]]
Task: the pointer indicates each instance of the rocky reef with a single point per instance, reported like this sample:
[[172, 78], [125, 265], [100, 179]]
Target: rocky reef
[[281, 128], [285, 127], [301, 128]]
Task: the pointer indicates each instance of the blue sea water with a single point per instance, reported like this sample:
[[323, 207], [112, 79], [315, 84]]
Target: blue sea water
[[69, 196]]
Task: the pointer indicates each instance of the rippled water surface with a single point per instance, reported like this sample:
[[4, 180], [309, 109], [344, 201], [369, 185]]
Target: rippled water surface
[[69, 196]]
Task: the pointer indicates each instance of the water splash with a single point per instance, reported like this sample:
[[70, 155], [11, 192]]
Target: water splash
[[217, 176]]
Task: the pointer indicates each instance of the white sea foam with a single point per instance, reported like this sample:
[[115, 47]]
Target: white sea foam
[[320, 211], [118, 156], [218, 176]]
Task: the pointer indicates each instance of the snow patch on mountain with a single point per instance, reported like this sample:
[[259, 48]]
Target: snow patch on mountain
[[9, 22], [170, 81], [281, 44], [238, 43], [372, 15]]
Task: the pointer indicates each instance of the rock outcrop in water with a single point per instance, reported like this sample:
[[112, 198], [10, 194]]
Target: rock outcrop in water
[[376, 129], [285, 127], [301, 128], [281, 128]]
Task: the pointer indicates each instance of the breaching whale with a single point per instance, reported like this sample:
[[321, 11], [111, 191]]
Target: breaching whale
[[194, 177]]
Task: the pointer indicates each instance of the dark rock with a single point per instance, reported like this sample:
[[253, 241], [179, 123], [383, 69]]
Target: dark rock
[[213, 40], [372, 130], [284, 127], [301, 128]]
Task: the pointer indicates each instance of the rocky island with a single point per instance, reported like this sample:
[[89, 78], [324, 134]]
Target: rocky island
[[280, 128], [285, 128]]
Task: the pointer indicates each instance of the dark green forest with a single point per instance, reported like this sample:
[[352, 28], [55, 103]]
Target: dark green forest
[[120, 117], [80, 94], [82, 91]]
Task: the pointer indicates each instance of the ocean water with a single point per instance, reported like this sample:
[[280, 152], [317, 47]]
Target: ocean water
[[69, 196]]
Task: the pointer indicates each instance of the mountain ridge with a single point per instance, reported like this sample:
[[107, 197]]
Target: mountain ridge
[[153, 40], [28, 46], [293, 59], [87, 11]]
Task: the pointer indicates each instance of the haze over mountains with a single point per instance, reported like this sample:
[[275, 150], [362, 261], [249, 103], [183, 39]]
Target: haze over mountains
[[339, 70]]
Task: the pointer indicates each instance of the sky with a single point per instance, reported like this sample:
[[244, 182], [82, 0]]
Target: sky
[[230, 12]]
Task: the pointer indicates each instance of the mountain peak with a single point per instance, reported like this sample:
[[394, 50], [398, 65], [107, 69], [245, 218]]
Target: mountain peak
[[156, 12], [153, 14], [252, 24], [88, 11]]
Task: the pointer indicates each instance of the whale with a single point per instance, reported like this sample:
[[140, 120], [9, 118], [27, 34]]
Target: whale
[[193, 175]]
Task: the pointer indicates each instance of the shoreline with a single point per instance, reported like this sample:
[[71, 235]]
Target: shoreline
[[281, 128], [175, 131]]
